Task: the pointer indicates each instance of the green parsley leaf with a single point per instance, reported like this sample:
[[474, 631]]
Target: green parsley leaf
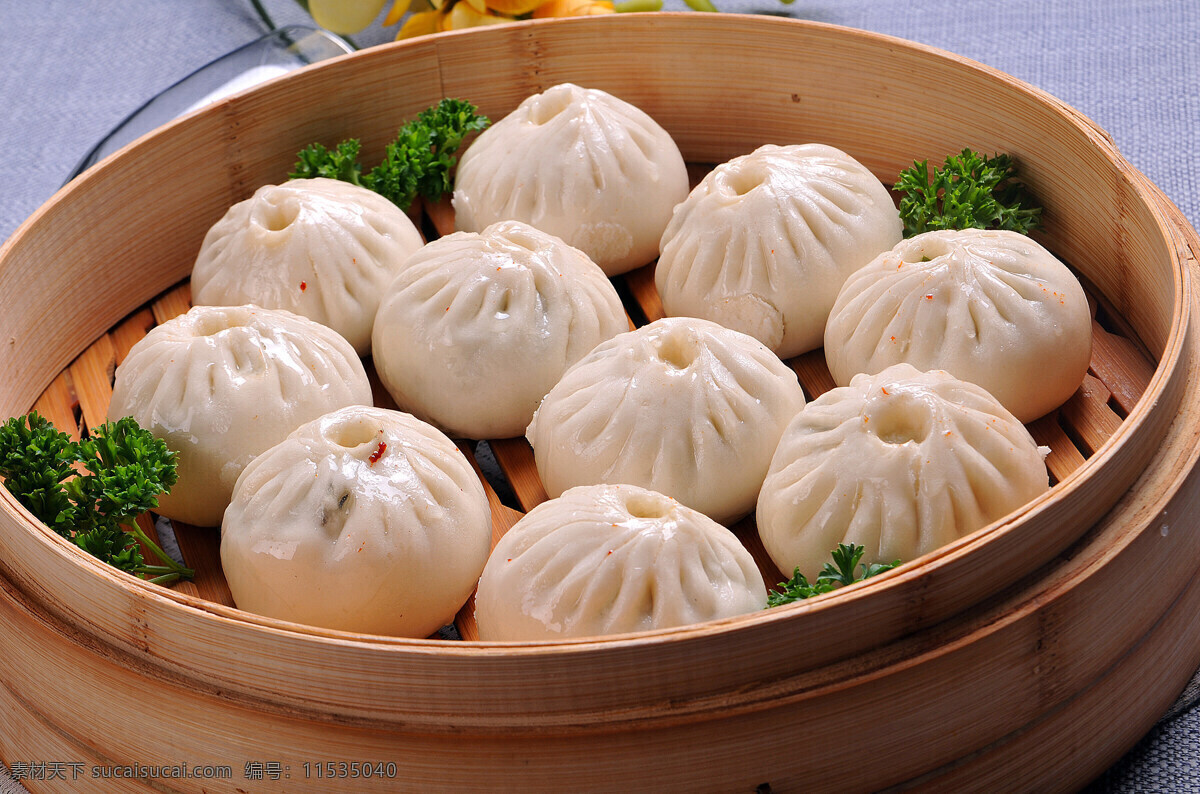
[[838, 573], [129, 468], [92, 491], [113, 545], [35, 458], [420, 161], [341, 163], [968, 191]]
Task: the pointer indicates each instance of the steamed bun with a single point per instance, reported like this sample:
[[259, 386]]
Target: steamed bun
[[580, 164], [901, 463], [364, 520], [220, 384], [321, 248], [479, 327], [991, 307], [764, 242], [611, 559], [681, 406]]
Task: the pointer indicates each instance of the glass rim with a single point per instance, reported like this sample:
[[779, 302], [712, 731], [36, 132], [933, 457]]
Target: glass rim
[[286, 34]]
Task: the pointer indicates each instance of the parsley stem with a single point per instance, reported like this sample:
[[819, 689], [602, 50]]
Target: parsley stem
[[169, 564]]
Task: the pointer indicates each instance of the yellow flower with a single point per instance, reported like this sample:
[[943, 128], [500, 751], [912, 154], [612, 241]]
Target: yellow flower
[[421, 23], [444, 15], [573, 8], [513, 8], [399, 8], [345, 16], [431, 16], [464, 15]]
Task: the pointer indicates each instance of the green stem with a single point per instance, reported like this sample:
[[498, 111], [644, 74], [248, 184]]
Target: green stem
[[263, 15], [170, 564], [634, 6]]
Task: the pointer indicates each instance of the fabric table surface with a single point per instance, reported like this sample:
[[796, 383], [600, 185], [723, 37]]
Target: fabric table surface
[[70, 70]]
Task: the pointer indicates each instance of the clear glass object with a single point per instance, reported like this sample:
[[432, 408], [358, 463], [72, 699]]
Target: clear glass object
[[276, 53]]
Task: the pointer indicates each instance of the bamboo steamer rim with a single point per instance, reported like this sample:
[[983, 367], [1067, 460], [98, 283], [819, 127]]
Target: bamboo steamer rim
[[1155, 408]]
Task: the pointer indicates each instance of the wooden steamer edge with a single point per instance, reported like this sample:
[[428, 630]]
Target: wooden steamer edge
[[607, 732]]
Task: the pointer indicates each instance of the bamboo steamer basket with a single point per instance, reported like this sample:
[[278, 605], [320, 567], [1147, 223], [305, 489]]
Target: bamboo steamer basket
[[1027, 656]]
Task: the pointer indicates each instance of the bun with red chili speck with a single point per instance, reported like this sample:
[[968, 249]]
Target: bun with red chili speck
[[366, 520], [990, 307]]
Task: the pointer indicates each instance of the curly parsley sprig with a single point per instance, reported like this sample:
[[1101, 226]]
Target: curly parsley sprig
[[836, 574], [418, 162], [968, 191], [92, 491]]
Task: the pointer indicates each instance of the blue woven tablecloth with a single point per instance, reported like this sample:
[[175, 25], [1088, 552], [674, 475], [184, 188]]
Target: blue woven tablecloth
[[72, 69]]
